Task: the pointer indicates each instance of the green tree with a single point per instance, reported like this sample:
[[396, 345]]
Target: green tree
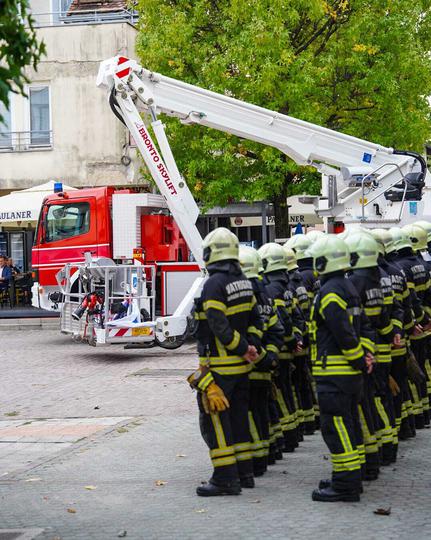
[[19, 47], [358, 66]]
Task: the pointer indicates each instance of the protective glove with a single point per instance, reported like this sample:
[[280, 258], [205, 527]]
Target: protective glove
[[268, 362], [414, 370], [217, 401], [395, 389]]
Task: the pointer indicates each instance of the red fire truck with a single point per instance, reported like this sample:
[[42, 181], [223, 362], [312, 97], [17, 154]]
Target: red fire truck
[[118, 224]]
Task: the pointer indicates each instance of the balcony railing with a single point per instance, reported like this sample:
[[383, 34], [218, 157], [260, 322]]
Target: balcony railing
[[25, 141], [62, 18]]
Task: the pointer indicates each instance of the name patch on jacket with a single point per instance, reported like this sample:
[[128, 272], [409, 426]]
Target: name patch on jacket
[[239, 289]]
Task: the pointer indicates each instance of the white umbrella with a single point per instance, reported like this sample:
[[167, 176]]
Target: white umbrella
[[24, 205]]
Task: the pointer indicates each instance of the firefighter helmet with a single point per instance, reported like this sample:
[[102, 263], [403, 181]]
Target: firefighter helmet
[[400, 239], [273, 257], [384, 239], [364, 250], [314, 235], [220, 245], [417, 235], [426, 225], [300, 244], [329, 254], [250, 261], [290, 258]]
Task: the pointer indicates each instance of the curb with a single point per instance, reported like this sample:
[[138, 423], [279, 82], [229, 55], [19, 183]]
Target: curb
[[29, 324]]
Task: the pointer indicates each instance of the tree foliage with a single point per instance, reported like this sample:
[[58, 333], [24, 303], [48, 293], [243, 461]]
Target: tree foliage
[[359, 66], [19, 47]]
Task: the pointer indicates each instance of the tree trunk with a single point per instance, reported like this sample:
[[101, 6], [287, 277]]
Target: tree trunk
[[281, 212]]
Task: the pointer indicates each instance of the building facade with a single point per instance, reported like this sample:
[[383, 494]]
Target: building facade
[[64, 129]]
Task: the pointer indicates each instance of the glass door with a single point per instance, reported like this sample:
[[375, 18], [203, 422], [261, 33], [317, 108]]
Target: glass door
[[3, 244], [17, 249]]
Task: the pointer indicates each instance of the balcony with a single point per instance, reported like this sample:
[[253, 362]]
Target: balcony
[[63, 18], [25, 141]]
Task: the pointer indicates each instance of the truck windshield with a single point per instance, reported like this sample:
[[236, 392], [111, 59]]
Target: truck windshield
[[67, 220]]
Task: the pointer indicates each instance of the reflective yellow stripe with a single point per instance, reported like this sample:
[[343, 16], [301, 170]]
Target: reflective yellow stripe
[[271, 347], [235, 341], [342, 433], [239, 308], [372, 311], [353, 354], [397, 323], [220, 452], [214, 304], [386, 329], [368, 344], [331, 297], [334, 370], [218, 429], [254, 330], [223, 461], [278, 302], [233, 370]]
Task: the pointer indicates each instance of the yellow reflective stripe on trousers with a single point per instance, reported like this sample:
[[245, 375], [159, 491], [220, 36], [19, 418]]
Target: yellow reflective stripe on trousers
[[342, 433], [218, 429]]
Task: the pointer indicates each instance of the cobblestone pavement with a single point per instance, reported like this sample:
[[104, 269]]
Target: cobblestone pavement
[[132, 456]]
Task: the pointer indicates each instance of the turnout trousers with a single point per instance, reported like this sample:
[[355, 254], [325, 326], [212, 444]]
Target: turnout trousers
[[227, 433], [341, 431], [259, 424]]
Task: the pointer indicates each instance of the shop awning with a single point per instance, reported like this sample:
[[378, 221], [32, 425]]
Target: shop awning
[[24, 205]]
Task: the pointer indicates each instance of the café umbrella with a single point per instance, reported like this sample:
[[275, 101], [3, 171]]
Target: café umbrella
[[24, 205]]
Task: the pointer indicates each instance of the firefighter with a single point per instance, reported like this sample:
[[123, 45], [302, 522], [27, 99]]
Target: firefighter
[[421, 281], [402, 321], [389, 342], [426, 256], [301, 375], [261, 376], [338, 360], [375, 326], [228, 339], [277, 287]]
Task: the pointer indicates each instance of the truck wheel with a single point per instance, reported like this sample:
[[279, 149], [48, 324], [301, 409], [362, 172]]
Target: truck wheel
[[171, 343]]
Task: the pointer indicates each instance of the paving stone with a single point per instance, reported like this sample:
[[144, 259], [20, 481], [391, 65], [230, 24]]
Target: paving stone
[[60, 381]]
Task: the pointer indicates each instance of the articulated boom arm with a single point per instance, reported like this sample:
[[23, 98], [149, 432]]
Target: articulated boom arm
[[331, 152]]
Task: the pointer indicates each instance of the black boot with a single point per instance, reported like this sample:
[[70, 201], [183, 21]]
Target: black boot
[[279, 455], [371, 474], [419, 421], [330, 495], [211, 490], [247, 482], [324, 484]]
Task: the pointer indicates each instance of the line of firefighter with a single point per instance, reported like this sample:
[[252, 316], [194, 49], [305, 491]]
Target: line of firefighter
[[329, 331]]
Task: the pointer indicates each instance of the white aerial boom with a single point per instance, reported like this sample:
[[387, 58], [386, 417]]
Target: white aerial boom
[[355, 173]]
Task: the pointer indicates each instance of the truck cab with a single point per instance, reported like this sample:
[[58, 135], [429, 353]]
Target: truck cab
[[121, 225]]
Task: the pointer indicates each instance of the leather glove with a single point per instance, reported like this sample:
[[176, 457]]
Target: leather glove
[[414, 370], [395, 389], [217, 401]]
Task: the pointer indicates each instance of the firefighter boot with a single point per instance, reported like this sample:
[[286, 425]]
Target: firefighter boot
[[247, 482], [323, 484], [212, 490], [330, 495]]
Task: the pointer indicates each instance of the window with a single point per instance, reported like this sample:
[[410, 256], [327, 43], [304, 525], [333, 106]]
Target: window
[[40, 133], [66, 220], [59, 9], [5, 127]]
